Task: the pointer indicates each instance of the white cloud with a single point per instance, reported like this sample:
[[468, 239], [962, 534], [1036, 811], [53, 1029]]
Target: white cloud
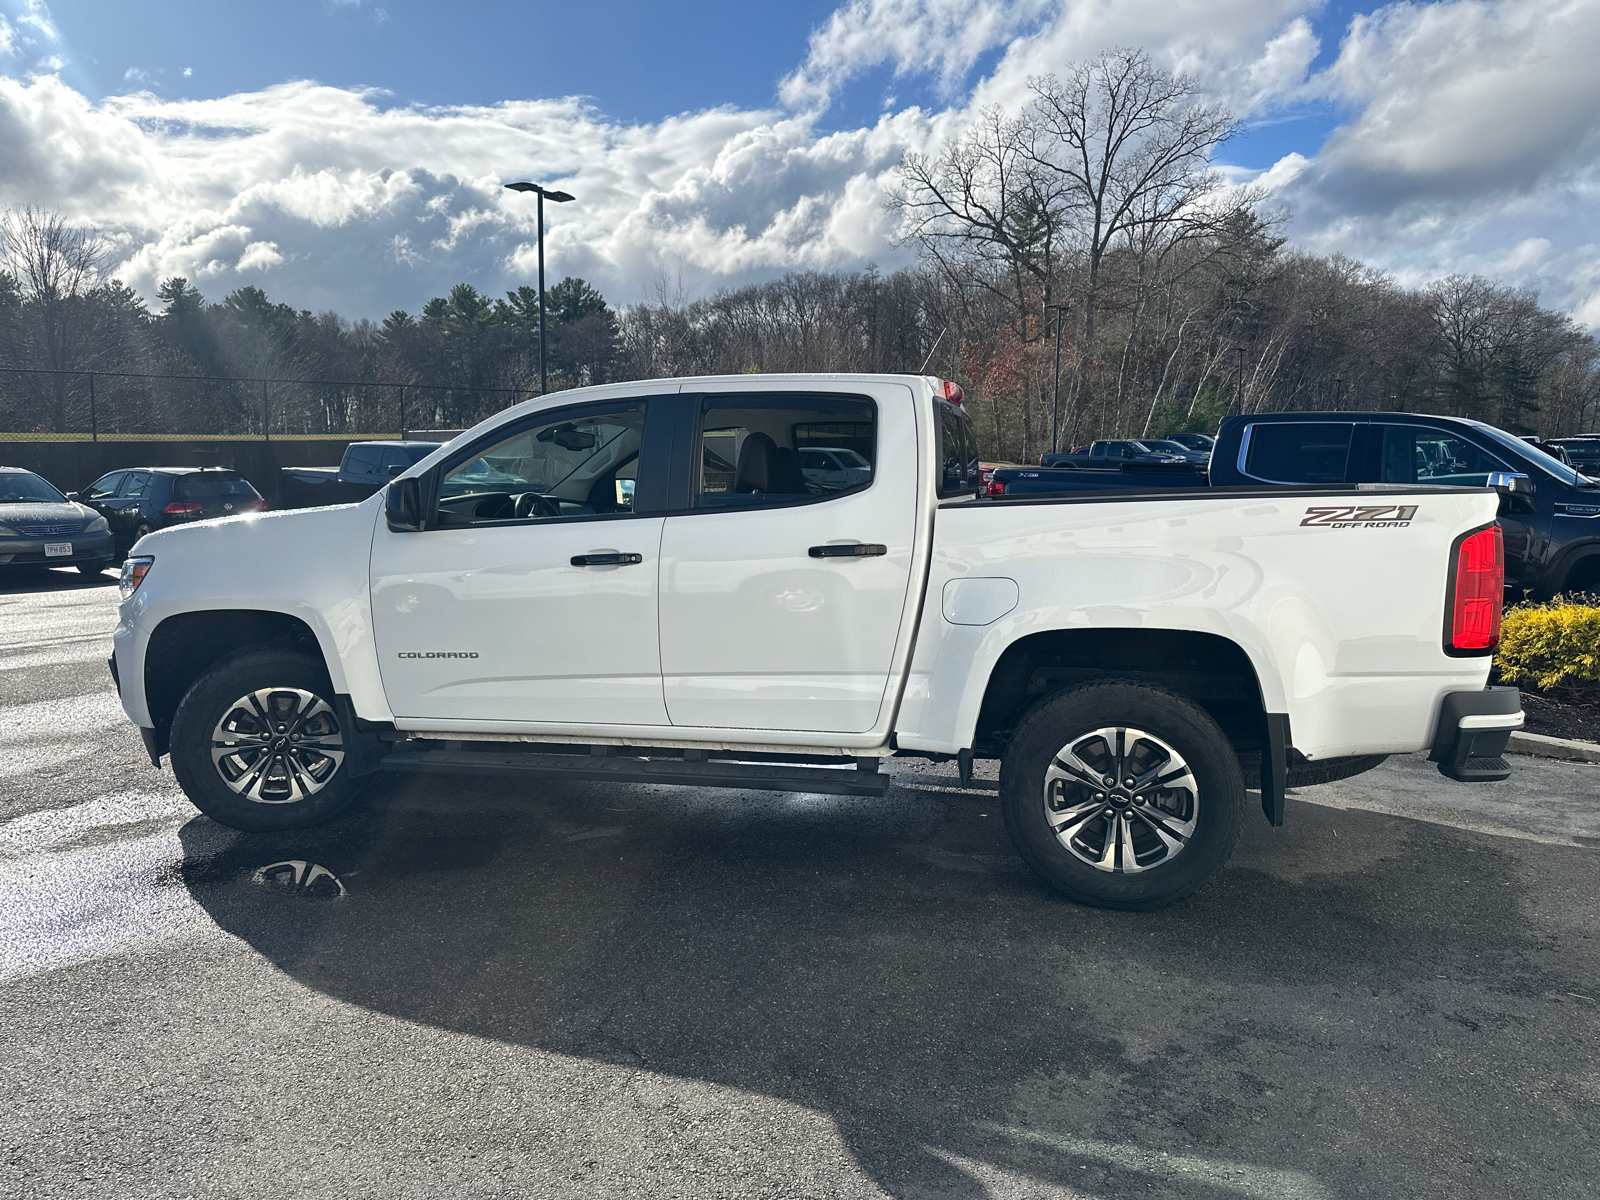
[[1475, 140], [8, 36], [1471, 144], [259, 256], [37, 15]]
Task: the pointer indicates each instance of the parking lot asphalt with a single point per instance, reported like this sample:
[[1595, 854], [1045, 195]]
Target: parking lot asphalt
[[489, 988]]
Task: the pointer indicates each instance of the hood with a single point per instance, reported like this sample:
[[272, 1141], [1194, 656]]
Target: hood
[[76, 516]]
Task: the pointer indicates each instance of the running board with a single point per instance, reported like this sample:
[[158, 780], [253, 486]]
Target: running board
[[836, 781]]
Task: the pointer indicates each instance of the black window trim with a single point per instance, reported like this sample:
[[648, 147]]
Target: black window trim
[[649, 484], [687, 433]]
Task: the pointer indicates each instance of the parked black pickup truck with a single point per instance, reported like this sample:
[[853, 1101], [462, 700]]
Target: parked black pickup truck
[[1551, 514], [365, 468]]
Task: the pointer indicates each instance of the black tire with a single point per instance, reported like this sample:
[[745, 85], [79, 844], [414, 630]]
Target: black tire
[[290, 798], [1160, 875], [142, 529]]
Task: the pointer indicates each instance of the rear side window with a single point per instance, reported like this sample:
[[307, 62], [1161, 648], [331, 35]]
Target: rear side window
[[761, 450], [210, 487], [1298, 451], [135, 485], [958, 454]]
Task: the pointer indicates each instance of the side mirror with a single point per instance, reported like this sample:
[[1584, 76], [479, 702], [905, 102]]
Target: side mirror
[[1516, 490], [395, 469], [403, 506], [75, 497]]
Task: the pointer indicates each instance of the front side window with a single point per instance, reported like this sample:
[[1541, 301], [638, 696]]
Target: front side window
[[758, 451], [1299, 451], [105, 487], [1418, 454], [577, 464]]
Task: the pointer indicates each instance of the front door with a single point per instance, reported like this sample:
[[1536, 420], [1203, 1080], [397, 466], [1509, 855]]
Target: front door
[[532, 595], [782, 590]]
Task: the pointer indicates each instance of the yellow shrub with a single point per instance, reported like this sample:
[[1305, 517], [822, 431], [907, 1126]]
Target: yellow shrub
[[1555, 647]]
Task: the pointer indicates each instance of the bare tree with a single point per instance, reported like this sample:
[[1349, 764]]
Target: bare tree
[[56, 266], [1132, 145]]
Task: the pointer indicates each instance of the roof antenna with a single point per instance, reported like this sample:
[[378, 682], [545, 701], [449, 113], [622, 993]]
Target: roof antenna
[[931, 353]]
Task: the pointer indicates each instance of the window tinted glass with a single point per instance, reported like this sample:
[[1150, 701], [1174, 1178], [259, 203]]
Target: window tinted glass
[[573, 465], [1418, 454], [958, 466], [765, 450], [135, 485], [1299, 451], [104, 487], [363, 460], [210, 487], [24, 487]]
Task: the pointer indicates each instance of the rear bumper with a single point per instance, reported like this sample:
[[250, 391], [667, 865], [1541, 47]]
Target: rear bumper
[[1471, 735]]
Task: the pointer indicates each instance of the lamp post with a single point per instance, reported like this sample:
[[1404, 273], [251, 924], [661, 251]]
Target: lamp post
[[1055, 400], [1238, 396], [556, 198]]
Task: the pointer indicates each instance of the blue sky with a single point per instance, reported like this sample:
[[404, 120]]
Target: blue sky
[[637, 61], [345, 154]]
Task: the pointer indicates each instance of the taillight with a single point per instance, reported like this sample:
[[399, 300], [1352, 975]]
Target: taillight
[[180, 508], [1477, 590], [997, 487], [257, 505], [946, 390]]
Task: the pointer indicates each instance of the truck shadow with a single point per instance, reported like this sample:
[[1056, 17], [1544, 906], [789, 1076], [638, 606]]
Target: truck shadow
[[21, 580], [892, 965]]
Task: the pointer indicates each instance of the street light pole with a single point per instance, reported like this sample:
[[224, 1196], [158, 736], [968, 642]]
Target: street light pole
[[558, 198], [1238, 395], [1055, 401]]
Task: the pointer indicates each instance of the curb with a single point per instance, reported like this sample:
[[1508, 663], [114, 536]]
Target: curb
[[1552, 747]]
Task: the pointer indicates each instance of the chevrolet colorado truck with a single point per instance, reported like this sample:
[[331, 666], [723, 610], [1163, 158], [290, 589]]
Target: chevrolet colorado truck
[[640, 583]]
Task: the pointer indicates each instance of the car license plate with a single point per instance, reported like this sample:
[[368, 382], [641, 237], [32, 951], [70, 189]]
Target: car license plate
[[58, 549]]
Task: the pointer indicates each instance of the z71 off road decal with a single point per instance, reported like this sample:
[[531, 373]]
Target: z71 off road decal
[[1362, 516]]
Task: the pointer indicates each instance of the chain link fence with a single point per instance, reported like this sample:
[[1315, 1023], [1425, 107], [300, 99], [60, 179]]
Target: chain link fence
[[40, 404]]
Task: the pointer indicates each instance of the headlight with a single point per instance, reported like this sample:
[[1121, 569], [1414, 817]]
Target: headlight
[[133, 572], [98, 525]]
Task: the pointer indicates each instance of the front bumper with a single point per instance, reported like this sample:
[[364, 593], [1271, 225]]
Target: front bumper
[[86, 548], [1474, 727]]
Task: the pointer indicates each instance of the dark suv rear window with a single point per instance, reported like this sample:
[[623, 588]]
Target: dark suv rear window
[[1299, 451], [209, 487]]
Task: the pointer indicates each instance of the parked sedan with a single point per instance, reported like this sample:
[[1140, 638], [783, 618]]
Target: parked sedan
[[1202, 442], [39, 527], [140, 500]]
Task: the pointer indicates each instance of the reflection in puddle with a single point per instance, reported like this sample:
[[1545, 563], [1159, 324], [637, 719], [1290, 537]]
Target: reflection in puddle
[[303, 878]]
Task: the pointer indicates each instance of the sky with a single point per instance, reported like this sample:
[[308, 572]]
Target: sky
[[349, 155]]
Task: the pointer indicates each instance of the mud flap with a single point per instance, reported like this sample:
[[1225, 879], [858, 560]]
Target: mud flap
[[1275, 767]]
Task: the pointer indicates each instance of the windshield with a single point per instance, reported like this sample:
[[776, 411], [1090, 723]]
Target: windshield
[[24, 487], [209, 487], [1538, 458]]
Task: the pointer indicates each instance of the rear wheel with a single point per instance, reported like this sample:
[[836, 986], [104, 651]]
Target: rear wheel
[[1122, 795], [257, 743]]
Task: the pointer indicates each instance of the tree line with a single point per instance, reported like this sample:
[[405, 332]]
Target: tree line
[[1087, 229]]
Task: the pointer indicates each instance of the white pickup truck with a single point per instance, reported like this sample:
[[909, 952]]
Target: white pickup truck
[[642, 583]]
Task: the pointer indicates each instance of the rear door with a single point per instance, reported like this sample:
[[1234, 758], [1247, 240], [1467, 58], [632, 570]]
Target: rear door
[[781, 602], [130, 505]]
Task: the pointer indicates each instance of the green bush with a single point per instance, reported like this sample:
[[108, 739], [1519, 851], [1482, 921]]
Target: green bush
[[1555, 647]]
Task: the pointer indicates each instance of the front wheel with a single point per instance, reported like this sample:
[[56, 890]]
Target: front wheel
[[257, 743], [1122, 795]]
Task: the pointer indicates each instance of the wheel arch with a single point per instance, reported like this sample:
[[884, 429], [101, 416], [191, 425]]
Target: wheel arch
[[1214, 671], [185, 645], [1580, 562]]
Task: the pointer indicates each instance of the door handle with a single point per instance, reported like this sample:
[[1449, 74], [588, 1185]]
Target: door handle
[[859, 550], [606, 560]]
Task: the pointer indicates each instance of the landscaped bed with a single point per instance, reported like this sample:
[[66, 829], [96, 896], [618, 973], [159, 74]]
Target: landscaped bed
[[1552, 652]]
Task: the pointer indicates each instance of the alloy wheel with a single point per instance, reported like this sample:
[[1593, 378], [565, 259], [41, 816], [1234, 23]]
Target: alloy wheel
[[277, 745], [1121, 799]]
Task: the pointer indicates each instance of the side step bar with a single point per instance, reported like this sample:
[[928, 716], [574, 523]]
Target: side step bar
[[836, 781]]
